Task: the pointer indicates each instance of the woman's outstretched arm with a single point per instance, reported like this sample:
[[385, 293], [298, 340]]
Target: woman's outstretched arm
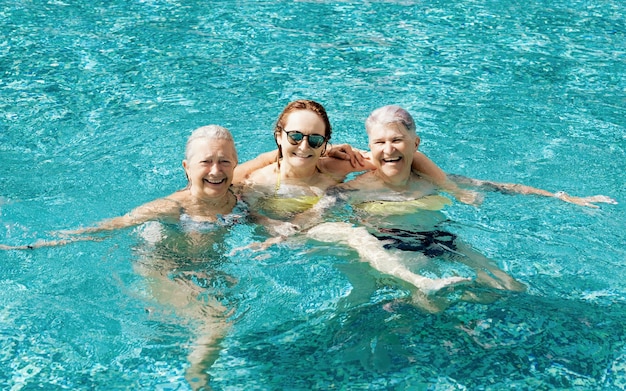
[[157, 209], [425, 167], [514, 188]]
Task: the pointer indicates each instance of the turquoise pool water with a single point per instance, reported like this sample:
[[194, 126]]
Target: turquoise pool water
[[97, 99]]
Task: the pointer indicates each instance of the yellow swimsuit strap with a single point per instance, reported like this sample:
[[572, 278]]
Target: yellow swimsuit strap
[[277, 186], [289, 205]]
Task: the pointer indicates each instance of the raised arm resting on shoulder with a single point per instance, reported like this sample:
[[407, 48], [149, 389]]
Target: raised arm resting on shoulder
[[345, 159], [243, 170]]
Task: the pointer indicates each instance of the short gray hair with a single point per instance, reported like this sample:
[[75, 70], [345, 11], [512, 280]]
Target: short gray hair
[[388, 115], [210, 132]]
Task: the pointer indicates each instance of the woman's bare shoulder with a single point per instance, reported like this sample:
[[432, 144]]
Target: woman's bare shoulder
[[367, 178], [263, 175], [167, 206]]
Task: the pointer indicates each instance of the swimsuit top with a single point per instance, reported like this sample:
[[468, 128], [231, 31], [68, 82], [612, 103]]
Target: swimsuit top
[[287, 206], [152, 231], [280, 207], [239, 212], [187, 240], [430, 202]]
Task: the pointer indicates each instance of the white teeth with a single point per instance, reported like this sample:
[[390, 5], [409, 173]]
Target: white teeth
[[392, 160], [214, 182]]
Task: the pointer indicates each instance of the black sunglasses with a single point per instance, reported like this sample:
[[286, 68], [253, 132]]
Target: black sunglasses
[[295, 137]]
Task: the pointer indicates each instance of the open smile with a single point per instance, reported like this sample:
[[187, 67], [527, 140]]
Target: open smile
[[214, 182]]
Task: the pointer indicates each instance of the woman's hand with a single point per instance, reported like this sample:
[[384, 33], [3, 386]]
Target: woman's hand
[[259, 246], [346, 152], [48, 243], [468, 197], [585, 201]]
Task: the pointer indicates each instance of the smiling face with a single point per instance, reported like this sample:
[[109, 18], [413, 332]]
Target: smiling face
[[210, 165], [392, 147], [301, 156]]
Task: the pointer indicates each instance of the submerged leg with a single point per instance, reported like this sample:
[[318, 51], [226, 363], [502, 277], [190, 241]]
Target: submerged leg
[[205, 350], [371, 250], [487, 271], [362, 282], [183, 297]]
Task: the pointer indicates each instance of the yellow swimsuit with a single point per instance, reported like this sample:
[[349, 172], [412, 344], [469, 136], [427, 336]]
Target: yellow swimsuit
[[288, 206], [283, 207]]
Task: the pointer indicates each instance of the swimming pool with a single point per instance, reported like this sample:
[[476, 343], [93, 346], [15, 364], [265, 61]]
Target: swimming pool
[[97, 100]]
